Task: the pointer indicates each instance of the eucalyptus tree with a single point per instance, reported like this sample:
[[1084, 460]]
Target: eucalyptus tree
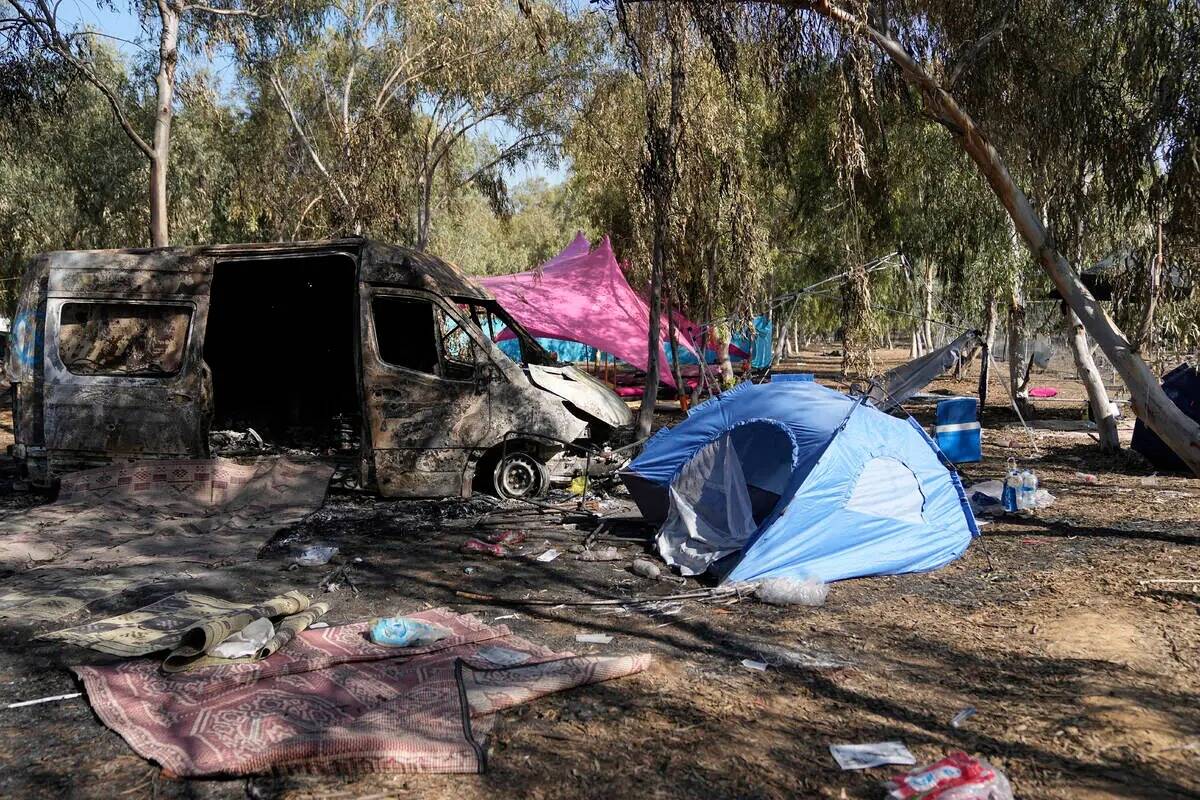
[[940, 52], [385, 98], [32, 25]]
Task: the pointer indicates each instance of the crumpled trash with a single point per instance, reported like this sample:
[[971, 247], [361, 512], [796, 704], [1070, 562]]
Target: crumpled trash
[[958, 776], [600, 554], [406, 632], [316, 556], [646, 568], [509, 538], [476, 546], [792, 592], [873, 754], [246, 642]]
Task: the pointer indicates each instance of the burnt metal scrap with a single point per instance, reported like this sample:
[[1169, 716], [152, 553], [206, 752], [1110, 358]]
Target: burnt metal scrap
[[384, 354]]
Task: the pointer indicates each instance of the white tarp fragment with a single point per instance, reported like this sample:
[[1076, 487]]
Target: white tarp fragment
[[710, 514]]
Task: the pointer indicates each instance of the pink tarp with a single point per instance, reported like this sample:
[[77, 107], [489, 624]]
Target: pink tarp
[[581, 295]]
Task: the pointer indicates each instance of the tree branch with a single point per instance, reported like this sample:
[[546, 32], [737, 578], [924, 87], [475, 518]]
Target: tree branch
[[45, 28], [308, 145]]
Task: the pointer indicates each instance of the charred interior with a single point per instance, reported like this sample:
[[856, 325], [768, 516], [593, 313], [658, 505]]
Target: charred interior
[[281, 344]]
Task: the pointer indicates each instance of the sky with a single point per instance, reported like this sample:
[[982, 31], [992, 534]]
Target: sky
[[122, 27]]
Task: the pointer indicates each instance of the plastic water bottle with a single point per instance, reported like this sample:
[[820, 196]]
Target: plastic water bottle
[[1029, 486], [1012, 487]]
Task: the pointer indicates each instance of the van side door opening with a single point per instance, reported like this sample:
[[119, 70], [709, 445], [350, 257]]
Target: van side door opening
[[281, 346]]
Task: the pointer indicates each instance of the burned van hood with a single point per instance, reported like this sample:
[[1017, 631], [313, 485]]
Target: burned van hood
[[584, 392]]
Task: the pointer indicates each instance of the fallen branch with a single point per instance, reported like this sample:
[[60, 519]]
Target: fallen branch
[[699, 594]]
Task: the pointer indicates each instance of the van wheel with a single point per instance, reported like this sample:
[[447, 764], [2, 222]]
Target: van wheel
[[520, 475]]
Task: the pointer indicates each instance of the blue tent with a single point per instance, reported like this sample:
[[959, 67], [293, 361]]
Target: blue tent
[[790, 478]]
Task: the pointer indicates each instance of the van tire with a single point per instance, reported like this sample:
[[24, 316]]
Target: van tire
[[520, 475]]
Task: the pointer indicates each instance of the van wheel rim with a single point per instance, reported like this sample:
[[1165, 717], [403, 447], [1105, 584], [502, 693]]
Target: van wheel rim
[[520, 475]]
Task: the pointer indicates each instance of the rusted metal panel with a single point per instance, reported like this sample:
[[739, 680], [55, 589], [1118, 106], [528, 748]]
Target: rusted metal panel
[[402, 266]]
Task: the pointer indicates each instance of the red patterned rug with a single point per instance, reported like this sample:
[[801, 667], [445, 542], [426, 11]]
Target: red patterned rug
[[334, 701]]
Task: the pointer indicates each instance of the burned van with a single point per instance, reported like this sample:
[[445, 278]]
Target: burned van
[[383, 356]]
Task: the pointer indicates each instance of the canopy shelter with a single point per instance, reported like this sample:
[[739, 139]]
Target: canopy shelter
[[582, 296], [790, 478]]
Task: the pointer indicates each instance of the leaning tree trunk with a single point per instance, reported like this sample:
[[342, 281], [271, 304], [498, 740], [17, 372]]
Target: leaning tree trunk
[[1102, 410], [1151, 404]]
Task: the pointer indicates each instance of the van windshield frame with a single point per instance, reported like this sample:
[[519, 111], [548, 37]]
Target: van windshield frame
[[531, 351]]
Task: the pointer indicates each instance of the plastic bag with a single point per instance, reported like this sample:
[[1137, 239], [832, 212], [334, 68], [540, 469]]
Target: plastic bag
[[406, 632], [246, 642], [792, 592], [316, 556], [958, 776]]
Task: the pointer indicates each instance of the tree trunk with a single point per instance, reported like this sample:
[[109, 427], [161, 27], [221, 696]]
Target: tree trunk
[[927, 305], [164, 81], [781, 328], [659, 179], [985, 358], [1017, 376], [676, 372], [645, 420], [723, 362], [425, 203], [1154, 270], [1102, 410], [1148, 400]]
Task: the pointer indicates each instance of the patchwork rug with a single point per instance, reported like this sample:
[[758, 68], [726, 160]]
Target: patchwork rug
[[148, 516], [334, 701]]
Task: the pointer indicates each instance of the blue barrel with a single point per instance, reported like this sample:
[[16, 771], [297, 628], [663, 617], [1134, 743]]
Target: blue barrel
[[957, 430]]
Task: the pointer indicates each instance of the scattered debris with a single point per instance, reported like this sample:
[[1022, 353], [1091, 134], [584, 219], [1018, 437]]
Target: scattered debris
[[246, 641], [603, 554], [758, 666], [792, 592], [476, 546], [40, 700], [1086, 477], [593, 638], [958, 776], [548, 556], [875, 754], [962, 716], [646, 569], [317, 555], [406, 632], [502, 656], [509, 538]]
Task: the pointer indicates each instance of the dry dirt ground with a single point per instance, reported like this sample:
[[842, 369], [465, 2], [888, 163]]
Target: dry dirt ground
[[1083, 673]]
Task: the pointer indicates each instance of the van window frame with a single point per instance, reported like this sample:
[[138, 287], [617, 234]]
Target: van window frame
[[442, 305], [185, 362]]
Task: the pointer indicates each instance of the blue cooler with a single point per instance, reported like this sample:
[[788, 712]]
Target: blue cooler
[[801, 377], [957, 430]]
